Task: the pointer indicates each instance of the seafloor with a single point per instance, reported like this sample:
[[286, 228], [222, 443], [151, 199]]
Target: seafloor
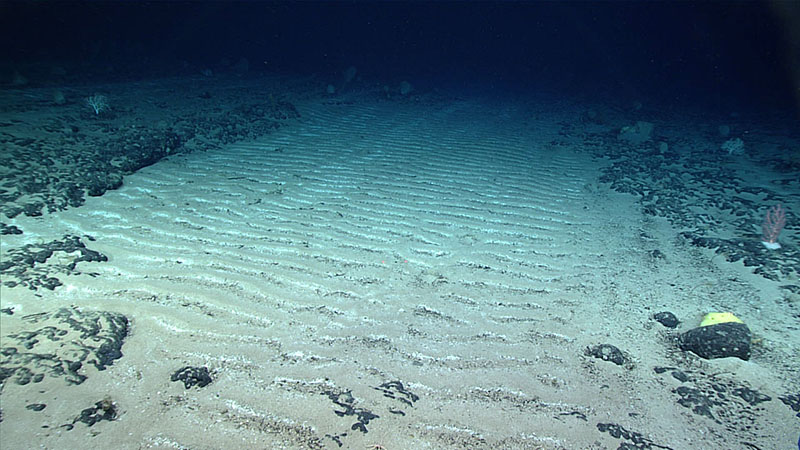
[[251, 262]]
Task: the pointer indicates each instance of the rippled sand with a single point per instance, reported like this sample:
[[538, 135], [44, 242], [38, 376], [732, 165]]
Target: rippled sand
[[397, 275]]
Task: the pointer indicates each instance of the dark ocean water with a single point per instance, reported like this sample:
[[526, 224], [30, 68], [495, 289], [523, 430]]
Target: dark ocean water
[[721, 56]]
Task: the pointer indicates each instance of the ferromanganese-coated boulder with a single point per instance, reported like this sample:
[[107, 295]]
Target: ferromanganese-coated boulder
[[720, 340]]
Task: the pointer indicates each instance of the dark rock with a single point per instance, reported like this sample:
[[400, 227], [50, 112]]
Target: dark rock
[[751, 396], [103, 410], [347, 403], [631, 439], [667, 319], [395, 390], [728, 402], [192, 376], [50, 283], [9, 229], [58, 344], [680, 376], [607, 352], [720, 340], [32, 209], [26, 264], [700, 402]]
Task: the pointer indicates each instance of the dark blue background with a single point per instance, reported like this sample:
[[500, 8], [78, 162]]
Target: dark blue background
[[725, 54]]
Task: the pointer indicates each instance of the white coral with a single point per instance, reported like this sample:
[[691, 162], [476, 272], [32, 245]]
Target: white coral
[[97, 102], [733, 146]]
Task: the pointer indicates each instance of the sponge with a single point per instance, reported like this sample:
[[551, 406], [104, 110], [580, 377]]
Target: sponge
[[719, 317]]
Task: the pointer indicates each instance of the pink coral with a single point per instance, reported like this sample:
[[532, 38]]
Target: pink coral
[[772, 226]]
